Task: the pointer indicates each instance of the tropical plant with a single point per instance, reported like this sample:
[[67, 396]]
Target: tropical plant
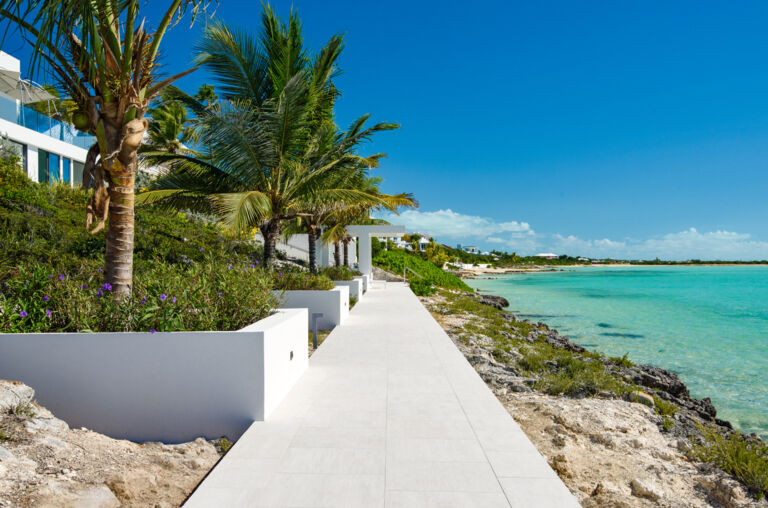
[[268, 144], [168, 130], [103, 59]]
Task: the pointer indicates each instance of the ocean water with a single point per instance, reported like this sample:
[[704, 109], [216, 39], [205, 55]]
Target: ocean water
[[707, 324]]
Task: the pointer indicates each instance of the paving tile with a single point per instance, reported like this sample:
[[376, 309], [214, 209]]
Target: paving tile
[[347, 461], [411, 499], [434, 450], [441, 476], [328, 491], [541, 493]]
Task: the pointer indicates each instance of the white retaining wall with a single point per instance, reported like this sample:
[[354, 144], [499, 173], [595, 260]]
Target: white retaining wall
[[364, 279], [167, 386], [355, 287], [333, 303]]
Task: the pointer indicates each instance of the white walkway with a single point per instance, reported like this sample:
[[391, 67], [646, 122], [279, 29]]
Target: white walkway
[[388, 414]]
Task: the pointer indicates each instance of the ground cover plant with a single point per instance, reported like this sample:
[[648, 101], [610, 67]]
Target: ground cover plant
[[189, 273], [340, 273], [290, 279], [395, 260]]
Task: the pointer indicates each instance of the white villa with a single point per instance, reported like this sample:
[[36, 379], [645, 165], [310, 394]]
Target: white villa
[[50, 151], [546, 255]]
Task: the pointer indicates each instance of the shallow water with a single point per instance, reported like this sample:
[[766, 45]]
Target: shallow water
[[707, 324]]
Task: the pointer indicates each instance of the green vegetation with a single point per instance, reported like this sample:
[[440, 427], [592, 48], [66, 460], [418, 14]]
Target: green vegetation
[[108, 74], [395, 260], [288, 280], [352, 301], [663, 407], [189, 273], [339, 273], [421, 287], [746, 460]]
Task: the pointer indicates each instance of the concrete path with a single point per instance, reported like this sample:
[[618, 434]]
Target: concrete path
[[389, 413]]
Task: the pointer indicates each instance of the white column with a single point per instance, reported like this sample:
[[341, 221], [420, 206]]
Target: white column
[[364, 248]]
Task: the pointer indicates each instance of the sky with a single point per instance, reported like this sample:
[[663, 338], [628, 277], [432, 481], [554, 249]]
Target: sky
[[604, 129]]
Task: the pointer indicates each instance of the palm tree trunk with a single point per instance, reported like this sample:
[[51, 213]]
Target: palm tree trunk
[[346, 250], [336, 253], [312, 239], [118, 260], [270, 231]]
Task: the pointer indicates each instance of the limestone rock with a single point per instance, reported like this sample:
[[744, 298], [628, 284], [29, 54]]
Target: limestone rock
[[642, 488]]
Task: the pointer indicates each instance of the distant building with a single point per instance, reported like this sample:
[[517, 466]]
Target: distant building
[[546, 255], [423, 242], [471, 249]]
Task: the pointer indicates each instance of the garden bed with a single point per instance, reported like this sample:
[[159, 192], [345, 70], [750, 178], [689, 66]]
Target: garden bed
[[163, 386], [332, 303]]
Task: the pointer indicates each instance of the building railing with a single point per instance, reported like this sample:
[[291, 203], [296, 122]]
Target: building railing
[[44, 124]]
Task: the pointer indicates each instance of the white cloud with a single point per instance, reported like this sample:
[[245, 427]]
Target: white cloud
[[449, 227], [448, 224]]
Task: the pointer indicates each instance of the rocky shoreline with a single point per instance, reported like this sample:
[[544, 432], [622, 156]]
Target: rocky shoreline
[[611, 449]]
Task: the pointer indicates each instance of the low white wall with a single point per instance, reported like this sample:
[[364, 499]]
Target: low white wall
[[333, 303], [364, 280], [355, 287], [167, 386]]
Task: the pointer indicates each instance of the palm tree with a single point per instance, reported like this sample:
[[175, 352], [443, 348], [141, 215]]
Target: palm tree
[[104, 60], [268, 144], [168, 130], [359, 213]]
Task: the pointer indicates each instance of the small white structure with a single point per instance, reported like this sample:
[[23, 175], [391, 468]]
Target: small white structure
[[364, 235], [355, 287], [165, 386], [49, 149], [297, 247], [547, 255], [423, 242], [333, 304], [471, 249]]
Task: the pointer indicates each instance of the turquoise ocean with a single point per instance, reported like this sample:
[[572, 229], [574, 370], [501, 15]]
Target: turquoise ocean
[[707, 324]]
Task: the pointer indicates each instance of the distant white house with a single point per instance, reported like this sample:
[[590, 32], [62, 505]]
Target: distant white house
[[423, 242], [471, 249], [546, 255]]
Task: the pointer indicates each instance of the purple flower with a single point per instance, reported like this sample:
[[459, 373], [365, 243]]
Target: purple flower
[[45, 298], [99, 270], [61, 276], [306, 276], [163, 297], [281, 274], [99, 292], [229, 266], [256, 262], [107, 286], [50, 276], [201, 249], [82, 268], [252, 266], [23, 313], [221, 294], [48, 312], [85, 286], [173, 300], [152, 330]]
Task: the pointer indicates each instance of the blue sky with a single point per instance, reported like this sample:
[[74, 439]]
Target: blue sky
[[591, 128]]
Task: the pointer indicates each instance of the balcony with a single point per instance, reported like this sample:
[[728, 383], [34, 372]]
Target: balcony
[[11, 111]]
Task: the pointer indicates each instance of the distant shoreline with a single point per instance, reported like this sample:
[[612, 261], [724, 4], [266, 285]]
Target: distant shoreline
[[470, 273]]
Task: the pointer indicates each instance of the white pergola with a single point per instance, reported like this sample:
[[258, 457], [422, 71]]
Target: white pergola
[[364, 235]]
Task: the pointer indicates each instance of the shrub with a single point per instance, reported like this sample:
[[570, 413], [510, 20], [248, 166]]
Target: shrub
[[421, 287], [746, 460], [395, 260], [337, 273], [663, 407], [287, 280], [206, 296]]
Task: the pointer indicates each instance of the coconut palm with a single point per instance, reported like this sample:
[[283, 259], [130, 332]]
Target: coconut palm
[[169, 127], [104, 59], [359, 213], [269, 146]]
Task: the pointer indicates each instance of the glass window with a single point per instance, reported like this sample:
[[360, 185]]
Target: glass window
[[65, 171], [77, 173], [42, 166], [53, 167], [11, 147]]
